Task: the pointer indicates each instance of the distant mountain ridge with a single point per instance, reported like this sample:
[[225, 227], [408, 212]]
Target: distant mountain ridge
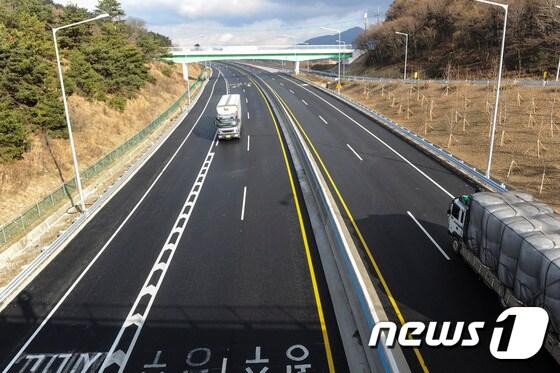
[[347, 36]]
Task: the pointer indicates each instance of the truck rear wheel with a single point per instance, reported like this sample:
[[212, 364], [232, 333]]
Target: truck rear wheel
[[455, 244]]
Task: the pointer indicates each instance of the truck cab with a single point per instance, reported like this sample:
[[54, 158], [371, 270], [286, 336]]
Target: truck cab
[[456, 220], [228, 117]]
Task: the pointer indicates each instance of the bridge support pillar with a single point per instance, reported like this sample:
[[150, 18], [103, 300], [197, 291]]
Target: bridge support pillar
[[296, 67], [186, 77], [186, 71]]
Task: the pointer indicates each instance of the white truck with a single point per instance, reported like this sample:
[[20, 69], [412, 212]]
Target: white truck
[[228, 117], [512, 242]]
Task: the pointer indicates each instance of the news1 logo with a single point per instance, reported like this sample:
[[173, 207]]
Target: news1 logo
[[518, 334]]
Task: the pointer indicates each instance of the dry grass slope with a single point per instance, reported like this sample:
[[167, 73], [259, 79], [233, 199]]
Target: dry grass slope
[[97, 130]]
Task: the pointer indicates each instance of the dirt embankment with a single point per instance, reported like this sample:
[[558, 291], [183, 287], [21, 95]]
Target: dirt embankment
[[458, 118], [97, 130]]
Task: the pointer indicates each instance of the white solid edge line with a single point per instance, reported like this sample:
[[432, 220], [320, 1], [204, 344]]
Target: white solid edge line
[[378, 139], [224, 365], [118, 186], [248, 142], [429, 236], [94, 260], [355, 153], [243, 203], [323, 119]]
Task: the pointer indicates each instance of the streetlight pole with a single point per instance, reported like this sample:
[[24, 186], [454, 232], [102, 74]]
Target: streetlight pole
[[202, 36], [343, 75], [495, 118], [339, 60], [66, 111], [405, 52]]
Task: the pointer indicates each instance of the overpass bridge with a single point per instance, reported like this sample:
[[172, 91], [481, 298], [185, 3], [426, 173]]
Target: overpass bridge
[[292, 53]]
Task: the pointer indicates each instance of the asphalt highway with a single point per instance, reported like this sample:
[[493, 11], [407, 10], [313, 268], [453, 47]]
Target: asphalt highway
[[204, 261], [396, 199]]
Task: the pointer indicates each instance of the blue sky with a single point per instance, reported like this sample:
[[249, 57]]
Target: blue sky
[[236, 22]]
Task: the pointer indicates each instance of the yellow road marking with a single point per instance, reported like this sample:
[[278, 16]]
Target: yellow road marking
[[322, 322], [354, 225]]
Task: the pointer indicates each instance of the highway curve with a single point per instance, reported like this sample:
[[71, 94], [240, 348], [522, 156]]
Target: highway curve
[[396, 198], [202, 261]]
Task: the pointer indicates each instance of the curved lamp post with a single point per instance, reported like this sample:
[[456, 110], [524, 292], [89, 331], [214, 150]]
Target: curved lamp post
[[66, 111], [493, 134], [339, 60]]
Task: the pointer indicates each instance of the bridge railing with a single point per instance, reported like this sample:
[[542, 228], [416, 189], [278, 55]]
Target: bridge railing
[[258, 48]]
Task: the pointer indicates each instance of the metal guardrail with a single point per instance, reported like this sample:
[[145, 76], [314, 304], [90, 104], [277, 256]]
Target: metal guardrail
[[357, 78], [418, 140], [43, 207], [366, 319]]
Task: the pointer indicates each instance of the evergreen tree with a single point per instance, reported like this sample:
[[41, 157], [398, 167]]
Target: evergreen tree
[[74, 36], [81, 78], [13, 133], [102, 61], [111, 7]]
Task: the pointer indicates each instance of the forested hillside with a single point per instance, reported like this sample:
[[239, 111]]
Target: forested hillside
[[104, 61], [461, 38]]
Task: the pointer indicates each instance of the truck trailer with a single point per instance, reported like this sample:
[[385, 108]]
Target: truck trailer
[[512, 242], [228, 117]]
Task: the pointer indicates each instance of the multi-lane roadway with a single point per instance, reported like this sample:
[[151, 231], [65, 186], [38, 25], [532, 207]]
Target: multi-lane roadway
[[206, 258], [395, 198], [203, 260]]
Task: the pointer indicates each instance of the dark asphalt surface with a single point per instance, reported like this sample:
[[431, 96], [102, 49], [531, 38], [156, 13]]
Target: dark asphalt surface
[[237, 294], [380, 190]]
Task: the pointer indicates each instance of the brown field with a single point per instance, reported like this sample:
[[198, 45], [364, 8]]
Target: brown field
[[97, 130], [458, 118]]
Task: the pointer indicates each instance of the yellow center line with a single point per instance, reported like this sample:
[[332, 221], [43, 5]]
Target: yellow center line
[[354, 225], [315, 286]]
